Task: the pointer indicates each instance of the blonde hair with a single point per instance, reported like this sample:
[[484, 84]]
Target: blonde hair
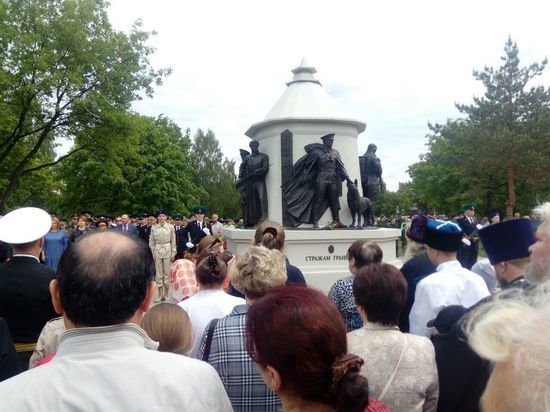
[[257, 270], [515, 329], [270, 234], [413, 249], [170, 326], [57, 222]]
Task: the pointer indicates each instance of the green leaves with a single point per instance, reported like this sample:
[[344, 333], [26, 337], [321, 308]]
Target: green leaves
[[500, 153], [63, 70], [215, 175]]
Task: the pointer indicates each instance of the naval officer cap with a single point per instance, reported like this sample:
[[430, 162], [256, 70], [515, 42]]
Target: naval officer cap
[[24, 225], [507, 240], [443, 235]]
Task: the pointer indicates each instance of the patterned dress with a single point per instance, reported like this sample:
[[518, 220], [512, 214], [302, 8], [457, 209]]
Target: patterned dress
[[342, 294]]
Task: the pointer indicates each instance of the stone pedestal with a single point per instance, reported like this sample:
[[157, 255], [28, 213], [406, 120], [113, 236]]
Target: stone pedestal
[[320, 254]]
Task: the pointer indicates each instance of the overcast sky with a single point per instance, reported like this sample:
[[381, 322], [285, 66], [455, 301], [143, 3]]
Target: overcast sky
[[395, 65]]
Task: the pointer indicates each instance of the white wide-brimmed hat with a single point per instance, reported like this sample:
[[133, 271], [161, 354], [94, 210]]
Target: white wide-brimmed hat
[[24, 225]]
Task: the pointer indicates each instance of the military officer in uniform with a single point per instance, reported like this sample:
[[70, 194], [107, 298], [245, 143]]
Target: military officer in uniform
[[25, 300], [315, 184], [162, 242], [144, 231], [181, 234], [198, 228], [467, 255]]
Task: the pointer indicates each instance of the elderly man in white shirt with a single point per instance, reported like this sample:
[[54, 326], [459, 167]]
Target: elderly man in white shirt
[[451, 284], [105, 361]]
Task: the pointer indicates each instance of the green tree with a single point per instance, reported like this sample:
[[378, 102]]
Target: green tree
[[166, 177], [144, 165], [502, 145], [390, 202], [63, 69], [215, 174]]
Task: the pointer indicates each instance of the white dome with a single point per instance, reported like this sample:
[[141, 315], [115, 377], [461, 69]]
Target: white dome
[[305, 98]]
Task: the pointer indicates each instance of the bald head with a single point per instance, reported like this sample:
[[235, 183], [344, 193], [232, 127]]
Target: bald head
[[103, 278]]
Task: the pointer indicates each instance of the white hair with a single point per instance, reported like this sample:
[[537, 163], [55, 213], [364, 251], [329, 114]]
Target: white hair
[[413, 249], [515, 328], [543, 212]]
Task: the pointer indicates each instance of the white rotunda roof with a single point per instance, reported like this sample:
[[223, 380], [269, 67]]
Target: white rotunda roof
[[305, 98]]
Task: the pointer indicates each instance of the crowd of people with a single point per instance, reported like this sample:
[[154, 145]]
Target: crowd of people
[[154, 313]]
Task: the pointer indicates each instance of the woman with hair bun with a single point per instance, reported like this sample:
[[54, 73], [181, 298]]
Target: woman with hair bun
[[210, 302], [401, 368], [272, 236], [361, 253], [306, 361]]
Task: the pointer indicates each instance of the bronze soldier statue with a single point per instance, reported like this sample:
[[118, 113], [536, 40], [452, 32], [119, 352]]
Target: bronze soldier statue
[[240, 184], [255, 169], [371, 173], [315, 184]]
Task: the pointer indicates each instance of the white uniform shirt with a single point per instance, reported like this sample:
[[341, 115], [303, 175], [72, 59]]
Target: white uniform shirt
[[451, 284], [113, 369], [204, 306]]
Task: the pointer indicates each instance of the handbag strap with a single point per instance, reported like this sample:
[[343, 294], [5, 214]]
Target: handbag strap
[[209, 336], [394, 373]]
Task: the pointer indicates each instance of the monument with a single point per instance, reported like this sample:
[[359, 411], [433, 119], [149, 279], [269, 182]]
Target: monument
[[371, 173], [315, 184], [289, 134], [251, 184]]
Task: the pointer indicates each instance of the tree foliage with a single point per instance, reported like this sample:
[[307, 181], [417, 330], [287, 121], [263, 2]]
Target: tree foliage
[[395, 203], [215, 174], [63, 71], [143, 165], [498, 155]]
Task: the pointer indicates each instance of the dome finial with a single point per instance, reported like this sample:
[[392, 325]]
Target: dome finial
[[304, 73]]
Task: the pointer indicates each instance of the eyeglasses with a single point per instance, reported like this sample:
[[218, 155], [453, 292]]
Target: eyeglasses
[[118, 220]]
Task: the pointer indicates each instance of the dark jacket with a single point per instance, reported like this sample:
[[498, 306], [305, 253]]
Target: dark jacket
[[414, 271], [195, 232], [25, 300], [9, 362], [467, 255]]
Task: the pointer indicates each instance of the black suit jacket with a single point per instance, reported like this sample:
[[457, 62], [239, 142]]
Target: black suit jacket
[[196, 233], [132, 229], [414, 271], [466, 226], [25, 300], [467, 255]]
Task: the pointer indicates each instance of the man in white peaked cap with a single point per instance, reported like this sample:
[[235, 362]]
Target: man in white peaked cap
[[25, 300]]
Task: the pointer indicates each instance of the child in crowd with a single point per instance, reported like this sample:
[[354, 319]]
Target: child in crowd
[[169, 325]]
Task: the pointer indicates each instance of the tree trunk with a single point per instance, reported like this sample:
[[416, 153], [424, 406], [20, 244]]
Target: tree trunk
[[511, 202]]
